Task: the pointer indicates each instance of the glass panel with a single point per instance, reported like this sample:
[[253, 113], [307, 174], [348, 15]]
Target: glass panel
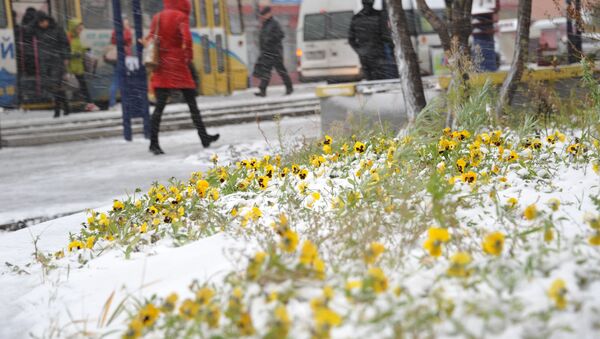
[[235, 17], [206, 54], [149, 9], [217, 12], [95, 12], [314, 27], [203, 14], [339, 25], [193, 15], [220, 54], [3, 15]]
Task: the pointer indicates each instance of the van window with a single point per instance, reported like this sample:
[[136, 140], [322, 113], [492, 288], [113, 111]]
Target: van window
[[339, 25], [314, 27]]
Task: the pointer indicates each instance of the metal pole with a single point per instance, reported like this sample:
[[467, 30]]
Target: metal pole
[[139, 26], [118, 23]]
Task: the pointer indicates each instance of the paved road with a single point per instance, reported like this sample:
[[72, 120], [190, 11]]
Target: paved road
[[64, 178]]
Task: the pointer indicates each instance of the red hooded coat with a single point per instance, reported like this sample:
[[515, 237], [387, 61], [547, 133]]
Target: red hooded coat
[[175, 46]]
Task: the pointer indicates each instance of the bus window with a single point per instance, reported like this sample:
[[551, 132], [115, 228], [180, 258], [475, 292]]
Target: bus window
[[217, 12], [95, 14], [193, 15], [314, 27], [220, 54], [3, 15], [206, 54], [339, 25], [149, 9], [203, 14], [236, 25]]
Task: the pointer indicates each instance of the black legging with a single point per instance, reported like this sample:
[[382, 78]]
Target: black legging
[[83, 89], [162, 95]]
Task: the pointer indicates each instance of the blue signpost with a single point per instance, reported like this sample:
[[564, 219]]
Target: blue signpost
[[133, 81]]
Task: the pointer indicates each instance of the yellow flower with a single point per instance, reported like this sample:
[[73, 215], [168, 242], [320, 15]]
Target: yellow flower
[[90, 242], [554, 204], [319, 268], [373, 252], [326, 149], [169, 303], [461, 165], [512, 202], [303, 174], [244, 324], [458, 265], [214, 194], [530, 212], [263, 182], [202, 187], [493, 243], [308, 253], [441, 167], [378, 279], [594, 240], [548, 235], [327, 140], [592, 220], [76, 245], [144, 228], [189, 309], [326, 318], [213, 316], [204, 295], [353, 284], [359, 147], [148, 315], [596, 167], [134, 330], [513, 156], [558, 293], [118, 205], [469, 177], [436, 237], [289, 241]]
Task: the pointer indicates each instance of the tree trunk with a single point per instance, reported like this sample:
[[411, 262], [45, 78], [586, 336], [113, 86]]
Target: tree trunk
[[440, 27], [460, 23], [406, 58], [574, 31], [509, 86]]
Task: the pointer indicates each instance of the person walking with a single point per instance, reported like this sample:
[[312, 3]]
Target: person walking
[[369, 35], [52, 52], [271, 54], [171, 26], [128, 41], [77, 61]]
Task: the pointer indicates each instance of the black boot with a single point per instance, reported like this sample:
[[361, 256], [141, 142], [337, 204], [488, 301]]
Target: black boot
[[155, 149], [209, 139], [289, 91], [56, 113], [262, 93]]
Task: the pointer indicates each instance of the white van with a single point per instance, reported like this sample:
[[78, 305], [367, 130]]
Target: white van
[[322, 40], [323, 50]]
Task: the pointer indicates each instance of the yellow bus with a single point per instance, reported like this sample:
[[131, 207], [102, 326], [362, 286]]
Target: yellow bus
[[220, 47]]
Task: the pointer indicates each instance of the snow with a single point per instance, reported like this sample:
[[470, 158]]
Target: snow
[[65, 178], [69, 299]]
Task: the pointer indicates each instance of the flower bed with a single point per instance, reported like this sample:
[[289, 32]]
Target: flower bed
[[468, 234]]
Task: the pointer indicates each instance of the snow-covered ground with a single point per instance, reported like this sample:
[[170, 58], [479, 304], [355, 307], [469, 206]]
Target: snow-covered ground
[[45, 181]]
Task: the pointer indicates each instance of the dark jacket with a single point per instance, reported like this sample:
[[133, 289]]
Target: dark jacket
[[271, 48], [26, 59], [271, 37], [51, 47], [369, 33]]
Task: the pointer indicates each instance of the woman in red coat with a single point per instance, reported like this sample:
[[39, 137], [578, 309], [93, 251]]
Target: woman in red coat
[[173, 72]]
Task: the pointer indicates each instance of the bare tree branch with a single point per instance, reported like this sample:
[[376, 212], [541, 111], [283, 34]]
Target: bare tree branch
[[440, 27]]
